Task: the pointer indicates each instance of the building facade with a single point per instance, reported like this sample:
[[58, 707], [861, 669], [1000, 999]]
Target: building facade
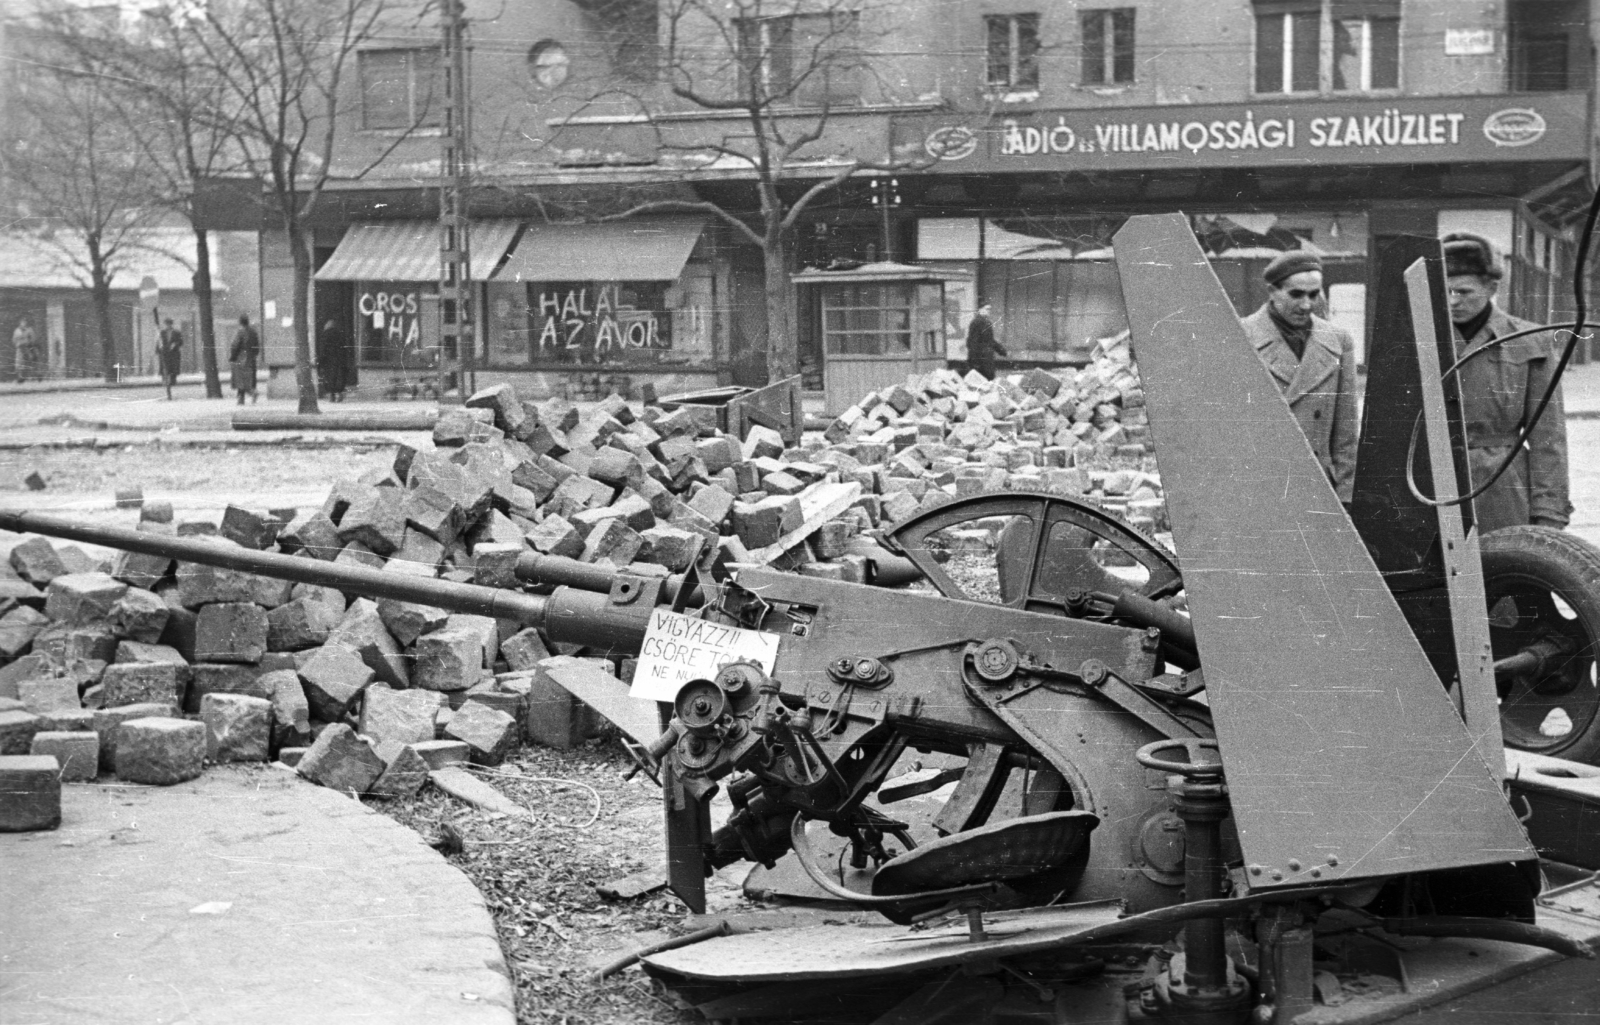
[[44, 282], [1009, 141]]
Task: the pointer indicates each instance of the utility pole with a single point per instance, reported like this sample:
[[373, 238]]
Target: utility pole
[[457, 337], [886, 197]]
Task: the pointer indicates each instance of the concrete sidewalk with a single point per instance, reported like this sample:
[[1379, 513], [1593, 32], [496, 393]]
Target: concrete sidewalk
[[245, 896]]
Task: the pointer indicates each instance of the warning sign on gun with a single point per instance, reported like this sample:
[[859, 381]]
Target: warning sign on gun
[[678, 649]]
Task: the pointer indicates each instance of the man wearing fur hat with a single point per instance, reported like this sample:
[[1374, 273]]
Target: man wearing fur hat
[[1500, 390], [1312, 361]]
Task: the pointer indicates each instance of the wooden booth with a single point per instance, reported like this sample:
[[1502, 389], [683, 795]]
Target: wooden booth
[[877, 323]]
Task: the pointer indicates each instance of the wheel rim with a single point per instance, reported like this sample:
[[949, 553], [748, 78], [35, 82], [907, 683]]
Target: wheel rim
[[1549, 713]]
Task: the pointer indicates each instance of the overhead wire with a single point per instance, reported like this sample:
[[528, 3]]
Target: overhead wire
[[1574, 331]]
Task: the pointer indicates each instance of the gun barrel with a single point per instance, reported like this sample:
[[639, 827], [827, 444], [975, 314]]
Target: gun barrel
[[531, 610], [534, 568]]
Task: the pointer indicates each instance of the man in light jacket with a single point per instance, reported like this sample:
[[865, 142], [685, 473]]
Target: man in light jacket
[[1312, 361]]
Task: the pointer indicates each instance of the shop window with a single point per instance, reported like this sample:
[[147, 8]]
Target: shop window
[[401, 89], [1366, 51], [599, 321], [1107, 46], [1363, 55], [396, 322], [806, 60], [1013, 50], [948, 238]]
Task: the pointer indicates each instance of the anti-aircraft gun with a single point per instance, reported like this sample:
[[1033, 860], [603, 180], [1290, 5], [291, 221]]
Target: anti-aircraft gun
[[1258, 748]]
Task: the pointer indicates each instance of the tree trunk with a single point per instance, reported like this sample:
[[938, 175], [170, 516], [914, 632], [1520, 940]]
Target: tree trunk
[[100, 289], [305, 381], [207, 328], [783, 350]]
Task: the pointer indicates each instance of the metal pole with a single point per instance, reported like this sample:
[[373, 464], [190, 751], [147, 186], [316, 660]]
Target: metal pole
[[475, 599], [456, 333]]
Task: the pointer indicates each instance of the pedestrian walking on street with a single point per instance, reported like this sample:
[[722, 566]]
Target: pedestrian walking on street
[[242, 355], [1499, 391], [169, 355], [981, 343], [1312, 361], [25, 351], [334, 363]]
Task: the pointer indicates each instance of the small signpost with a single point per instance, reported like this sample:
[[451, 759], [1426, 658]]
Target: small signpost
[[679, 648]]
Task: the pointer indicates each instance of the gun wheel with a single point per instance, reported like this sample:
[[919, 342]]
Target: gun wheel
[[1543, 585]]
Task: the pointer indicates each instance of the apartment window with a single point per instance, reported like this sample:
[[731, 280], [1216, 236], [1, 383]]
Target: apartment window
[[1366, 47], [1107, 46], [1363, 52], [1013, 50], [808, 60], [1542, 41], [401, 88]]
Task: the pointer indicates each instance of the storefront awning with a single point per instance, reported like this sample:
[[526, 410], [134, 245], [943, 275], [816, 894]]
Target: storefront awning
[[653, 250], [874, 273], [409, 251]]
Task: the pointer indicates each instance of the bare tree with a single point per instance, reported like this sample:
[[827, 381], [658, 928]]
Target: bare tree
[[784, 70], [175, 111], [71, 158], [286, 69]]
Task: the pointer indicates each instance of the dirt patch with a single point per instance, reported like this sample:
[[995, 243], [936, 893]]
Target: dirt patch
[[538, 878]]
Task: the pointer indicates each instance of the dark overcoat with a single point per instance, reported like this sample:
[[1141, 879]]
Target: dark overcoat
[[242, 355], [981, 346], [169, 353], [336, 365]]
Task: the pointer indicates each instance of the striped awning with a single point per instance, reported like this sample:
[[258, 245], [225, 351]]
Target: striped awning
[[409, 251], [643, 250]]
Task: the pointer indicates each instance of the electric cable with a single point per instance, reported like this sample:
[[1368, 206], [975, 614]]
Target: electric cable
[[1574, 330]]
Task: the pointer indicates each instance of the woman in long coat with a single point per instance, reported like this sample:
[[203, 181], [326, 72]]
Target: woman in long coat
[[334, 364], [242, 355]]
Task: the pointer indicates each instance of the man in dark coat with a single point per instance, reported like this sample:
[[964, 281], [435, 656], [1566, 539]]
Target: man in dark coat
[[169, 354], [1312, 361], [335, 367], [981, 343], [242, 355], [1499, 391]]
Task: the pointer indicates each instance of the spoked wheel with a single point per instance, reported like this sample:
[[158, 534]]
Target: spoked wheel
[[1543, 590]]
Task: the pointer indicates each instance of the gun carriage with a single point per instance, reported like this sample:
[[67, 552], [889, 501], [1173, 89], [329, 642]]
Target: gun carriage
[[1281, 745]]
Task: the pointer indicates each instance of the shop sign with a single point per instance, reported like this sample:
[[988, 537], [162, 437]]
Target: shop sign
[[597, 319], [1434, 130]]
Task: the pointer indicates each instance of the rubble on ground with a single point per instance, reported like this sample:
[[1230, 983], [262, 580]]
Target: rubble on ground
[[150, 668]]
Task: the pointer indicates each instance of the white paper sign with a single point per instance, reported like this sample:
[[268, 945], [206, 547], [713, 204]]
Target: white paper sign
[[678, 649], [1468, 42], [269, 309]]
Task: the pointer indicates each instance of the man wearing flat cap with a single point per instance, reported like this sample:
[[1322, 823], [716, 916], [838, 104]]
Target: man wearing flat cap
[[1312, 361], [1499, 392]]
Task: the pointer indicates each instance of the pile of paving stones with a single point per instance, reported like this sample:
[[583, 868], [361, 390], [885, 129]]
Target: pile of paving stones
[[151, 668], [944, 435]]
